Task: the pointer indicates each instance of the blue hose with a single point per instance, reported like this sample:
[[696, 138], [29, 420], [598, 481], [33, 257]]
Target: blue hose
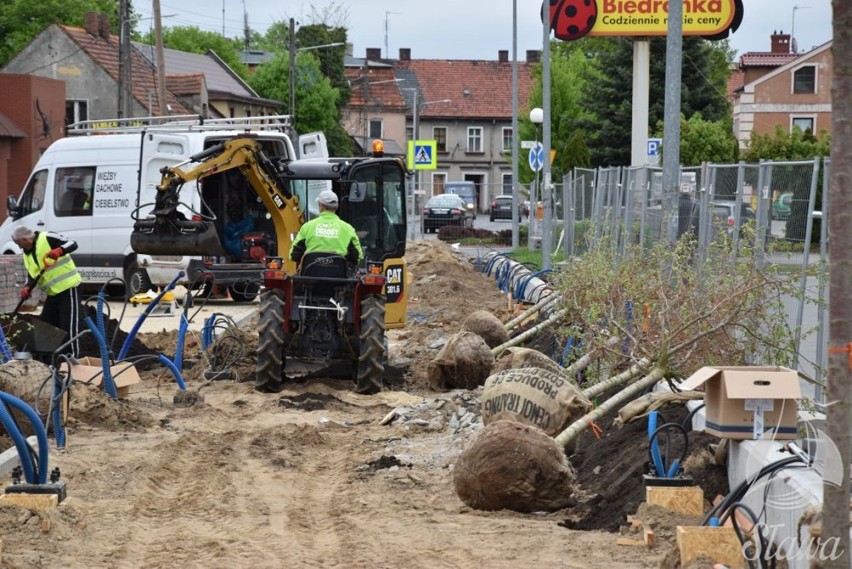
[[130, 337], [100, 315], [109, 384], [175, 371], [23, 448], [20, 443], [4, 346], [656, 457], [184, 324]]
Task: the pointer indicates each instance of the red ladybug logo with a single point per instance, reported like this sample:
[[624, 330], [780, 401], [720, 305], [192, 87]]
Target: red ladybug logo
[[572, 19]]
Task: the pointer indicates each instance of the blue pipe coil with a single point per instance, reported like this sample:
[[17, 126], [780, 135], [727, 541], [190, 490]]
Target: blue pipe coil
[[41, 436]]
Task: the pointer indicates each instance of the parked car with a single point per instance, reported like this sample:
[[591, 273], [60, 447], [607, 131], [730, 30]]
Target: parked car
[[723, 215], [467, 191], [445, 209], [501, 208], [783, 206]]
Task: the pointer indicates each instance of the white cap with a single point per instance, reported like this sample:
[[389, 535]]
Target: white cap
[[327, 198]]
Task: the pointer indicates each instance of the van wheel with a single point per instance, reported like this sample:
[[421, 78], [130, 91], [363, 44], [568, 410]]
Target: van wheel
[[136, 280]]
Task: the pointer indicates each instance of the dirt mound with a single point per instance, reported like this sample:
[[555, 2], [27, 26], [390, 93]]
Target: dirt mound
[[91, 406], [444, 289], [610, 469]]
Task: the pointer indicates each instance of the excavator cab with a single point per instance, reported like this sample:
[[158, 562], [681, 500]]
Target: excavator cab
[[252, 207]]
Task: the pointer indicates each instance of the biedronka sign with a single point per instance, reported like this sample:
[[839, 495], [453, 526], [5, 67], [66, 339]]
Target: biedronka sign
[[574, 19]]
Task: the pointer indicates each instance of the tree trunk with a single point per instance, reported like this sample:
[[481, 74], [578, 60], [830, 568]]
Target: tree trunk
[[555, 318], [836, 498], [568, 435]]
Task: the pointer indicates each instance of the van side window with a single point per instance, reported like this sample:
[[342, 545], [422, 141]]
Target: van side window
[[73, 191], [32, 198]]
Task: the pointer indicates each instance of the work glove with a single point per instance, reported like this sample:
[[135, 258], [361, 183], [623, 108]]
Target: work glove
[[25, 293], [54, 253]]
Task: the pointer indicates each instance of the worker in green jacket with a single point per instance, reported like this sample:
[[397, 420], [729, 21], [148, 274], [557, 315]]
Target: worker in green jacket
[[47, 258], [327, 233]]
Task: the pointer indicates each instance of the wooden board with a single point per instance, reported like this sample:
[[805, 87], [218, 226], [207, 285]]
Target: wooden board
[[41, 502], [717, 543], [684, 499]]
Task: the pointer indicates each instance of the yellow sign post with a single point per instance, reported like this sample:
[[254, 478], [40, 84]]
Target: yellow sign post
[[422, 155]]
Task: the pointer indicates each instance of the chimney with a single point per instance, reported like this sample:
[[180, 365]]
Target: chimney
[[374, 53], [103, 26], [503, 56], [91, 23], [405, 54], [533, 56], [780, 42]]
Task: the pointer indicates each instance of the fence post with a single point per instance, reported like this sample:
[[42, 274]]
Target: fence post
[[764, 179], [822, 337]]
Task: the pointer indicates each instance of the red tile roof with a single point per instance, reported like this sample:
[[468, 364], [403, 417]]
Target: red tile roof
[[766, 59], [105, 53], [475, 88], [185, 83], [374, 87]]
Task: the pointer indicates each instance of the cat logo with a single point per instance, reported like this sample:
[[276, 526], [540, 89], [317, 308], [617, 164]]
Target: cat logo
[[394, 285], [278, 201]]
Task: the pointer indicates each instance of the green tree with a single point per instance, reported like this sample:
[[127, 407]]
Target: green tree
[[316, 99], [194, 40], [569, 68], [704, 141], [607, 92], [22, 20], [330, 58]]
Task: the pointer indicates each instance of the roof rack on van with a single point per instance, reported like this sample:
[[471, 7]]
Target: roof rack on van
[[178, 123]]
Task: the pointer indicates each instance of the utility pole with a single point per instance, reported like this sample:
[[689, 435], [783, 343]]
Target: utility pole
[[161, 60], [547, 193], [516, 226], [671, 120], [125, 83]]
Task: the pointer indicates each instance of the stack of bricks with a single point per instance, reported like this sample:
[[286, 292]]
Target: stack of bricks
[[13, 275]]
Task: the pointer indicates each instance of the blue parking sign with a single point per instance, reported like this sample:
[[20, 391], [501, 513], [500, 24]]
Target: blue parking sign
[[654, 146]]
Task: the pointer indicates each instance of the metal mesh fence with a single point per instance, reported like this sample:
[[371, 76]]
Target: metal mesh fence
[[773, 209]]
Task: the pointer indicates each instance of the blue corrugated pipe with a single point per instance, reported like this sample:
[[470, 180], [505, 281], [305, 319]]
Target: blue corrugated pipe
[[58, 429], [109, 384], [34, 477], [130, 337], [175, 371]]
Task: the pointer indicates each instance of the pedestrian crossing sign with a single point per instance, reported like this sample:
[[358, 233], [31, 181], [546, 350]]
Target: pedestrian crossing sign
[[422, 155]]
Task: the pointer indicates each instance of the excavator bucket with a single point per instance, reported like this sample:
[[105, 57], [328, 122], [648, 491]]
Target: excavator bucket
[[175, 237]]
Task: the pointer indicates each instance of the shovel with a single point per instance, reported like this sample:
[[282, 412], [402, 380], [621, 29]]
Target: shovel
[[25, 298]]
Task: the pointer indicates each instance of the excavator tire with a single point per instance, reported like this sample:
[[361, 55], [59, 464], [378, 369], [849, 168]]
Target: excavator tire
[[372, 347], [270, 344]]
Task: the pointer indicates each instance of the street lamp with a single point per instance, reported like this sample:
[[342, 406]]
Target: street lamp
[[537, 118]]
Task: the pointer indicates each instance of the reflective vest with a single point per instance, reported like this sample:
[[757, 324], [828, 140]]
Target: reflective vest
[[327, 233], [57, 277]]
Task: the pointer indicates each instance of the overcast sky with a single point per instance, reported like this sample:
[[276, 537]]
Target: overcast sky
[[463, 29]]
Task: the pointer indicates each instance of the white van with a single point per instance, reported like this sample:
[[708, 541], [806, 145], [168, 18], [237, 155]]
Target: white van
[[85, 188]]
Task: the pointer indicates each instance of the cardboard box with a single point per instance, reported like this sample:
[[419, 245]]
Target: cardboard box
[[90, 370], [748, 402]]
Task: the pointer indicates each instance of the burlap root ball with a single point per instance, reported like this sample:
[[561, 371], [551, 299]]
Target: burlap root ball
[[514, 467], [488, 327], [519, 358], [535, 397], [463, 363]]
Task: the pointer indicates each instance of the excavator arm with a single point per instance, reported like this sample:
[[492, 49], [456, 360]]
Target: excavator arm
[[166, 231]]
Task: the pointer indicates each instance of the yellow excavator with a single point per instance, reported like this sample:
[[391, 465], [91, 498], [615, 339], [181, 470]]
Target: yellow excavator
[[240, 227]]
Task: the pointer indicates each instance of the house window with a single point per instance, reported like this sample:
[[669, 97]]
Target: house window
[[375, 128], [507, 139], [804, 123], [438, 181], [804, 80], [76, 111], [409, 133], [439, 133], [507, 184], [474, 139]]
